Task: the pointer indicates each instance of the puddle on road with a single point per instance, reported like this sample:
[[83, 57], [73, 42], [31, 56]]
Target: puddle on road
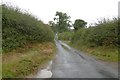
[[45, 73]]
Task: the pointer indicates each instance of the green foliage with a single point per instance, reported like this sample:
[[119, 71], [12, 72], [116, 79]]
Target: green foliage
[[103, 34], [19, 29], [118, 30], [102, 52], [79, 24], [20, 64], [66, 36], [62, 21], [100, 40], [53, 26]]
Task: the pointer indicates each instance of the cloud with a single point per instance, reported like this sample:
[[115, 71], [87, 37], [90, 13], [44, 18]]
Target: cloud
[[88, 10]]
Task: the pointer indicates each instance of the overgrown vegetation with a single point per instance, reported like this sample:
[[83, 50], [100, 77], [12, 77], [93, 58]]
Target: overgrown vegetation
[[100, 40], [21, 28], [79, 24], [0, 42], [23, 62], [66, 36], [27, 42], [61, 22], [103, 34]]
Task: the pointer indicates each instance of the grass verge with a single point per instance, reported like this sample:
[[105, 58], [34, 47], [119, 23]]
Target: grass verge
[[22, 62], [101, 52]]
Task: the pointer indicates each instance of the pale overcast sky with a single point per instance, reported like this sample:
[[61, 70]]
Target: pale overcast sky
[[88, 10]]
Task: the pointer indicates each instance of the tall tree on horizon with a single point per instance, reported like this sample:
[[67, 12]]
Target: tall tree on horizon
[[62, 21], [79, 23]]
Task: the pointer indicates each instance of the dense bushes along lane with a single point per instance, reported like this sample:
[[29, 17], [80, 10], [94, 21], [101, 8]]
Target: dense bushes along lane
[[19, 29]]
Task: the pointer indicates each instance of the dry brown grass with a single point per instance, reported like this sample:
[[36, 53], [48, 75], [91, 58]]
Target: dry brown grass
[[24, 61]]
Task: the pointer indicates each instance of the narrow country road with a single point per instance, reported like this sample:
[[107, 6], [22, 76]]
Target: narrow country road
[[70, 63]]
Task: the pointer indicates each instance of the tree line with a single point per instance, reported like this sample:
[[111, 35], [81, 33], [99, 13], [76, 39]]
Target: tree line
[[103, 33], [62, 23]]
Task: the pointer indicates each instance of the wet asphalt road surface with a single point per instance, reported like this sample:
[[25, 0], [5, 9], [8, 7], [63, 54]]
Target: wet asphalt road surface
[[70, 63]]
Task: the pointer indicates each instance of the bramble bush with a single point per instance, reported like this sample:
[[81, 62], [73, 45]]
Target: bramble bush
[[21, 28], [105, 33]]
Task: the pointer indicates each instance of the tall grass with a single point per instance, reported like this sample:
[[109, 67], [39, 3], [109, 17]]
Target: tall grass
[[27, 61], [20, 28], [100, 40]]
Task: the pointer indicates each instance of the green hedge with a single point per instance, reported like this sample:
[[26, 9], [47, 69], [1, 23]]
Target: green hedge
[[20, 28], [103, 34], [65, 35]]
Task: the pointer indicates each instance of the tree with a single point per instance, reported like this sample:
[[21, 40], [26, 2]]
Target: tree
[[62, 21], [52, 25], [79, 23]]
